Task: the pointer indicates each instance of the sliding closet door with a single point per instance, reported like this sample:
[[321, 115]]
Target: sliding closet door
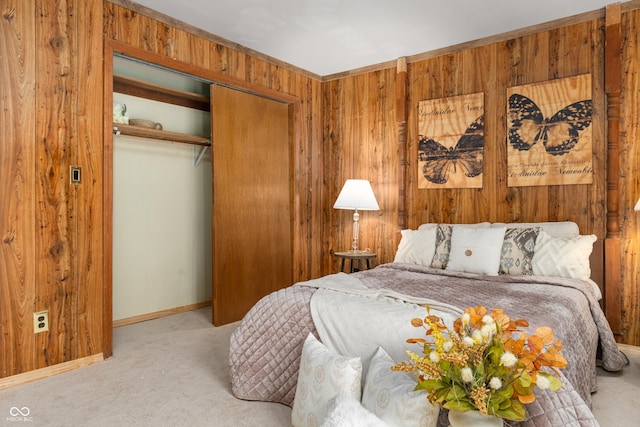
[[251, 201]]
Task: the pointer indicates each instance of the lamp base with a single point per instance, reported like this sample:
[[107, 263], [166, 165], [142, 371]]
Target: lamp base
[[356, 226]]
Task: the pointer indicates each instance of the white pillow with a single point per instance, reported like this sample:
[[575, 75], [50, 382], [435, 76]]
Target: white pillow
[[346, 411], [391, 396], [563, 256], [323, 374], [476, 250], [430, 225], [416, 247], [555, 228]]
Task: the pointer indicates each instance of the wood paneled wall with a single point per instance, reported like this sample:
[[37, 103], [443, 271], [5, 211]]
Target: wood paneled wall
[[50, 230], [359, 143], [52, 114], [355, 149], [361, 131], [491, 69], [630, 177], [17, 188]]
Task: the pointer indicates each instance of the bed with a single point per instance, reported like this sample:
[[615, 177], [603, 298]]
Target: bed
[[542, 274]]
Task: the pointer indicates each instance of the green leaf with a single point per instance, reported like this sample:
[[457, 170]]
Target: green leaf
[[456, 393], [431, 385], [554, 383], [525, 379], [505, 392], [523, 386], [514, 412], [459, 405], [505, 404]]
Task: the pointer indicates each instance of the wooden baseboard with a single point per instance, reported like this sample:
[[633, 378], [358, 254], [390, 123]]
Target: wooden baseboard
[[158, 314], [629, 348], [49, 371]]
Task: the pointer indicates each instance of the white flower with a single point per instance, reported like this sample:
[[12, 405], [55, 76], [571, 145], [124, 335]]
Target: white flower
[[508, 359], [495, 383], [467, 374], [468, 341], [487, 320], [466, 318], [120, 114], [434, 356], [488, 331], [542, 382], [477, 336], [447, 346]]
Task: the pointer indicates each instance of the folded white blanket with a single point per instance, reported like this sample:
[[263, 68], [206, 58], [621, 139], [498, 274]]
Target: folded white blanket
[[354, 320]]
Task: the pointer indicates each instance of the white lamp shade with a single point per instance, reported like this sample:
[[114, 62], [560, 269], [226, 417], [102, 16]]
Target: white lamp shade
[[637, 206], [357, 194]]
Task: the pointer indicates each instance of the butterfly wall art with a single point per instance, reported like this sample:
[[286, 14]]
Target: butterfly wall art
[[549, 137], [451, 142]]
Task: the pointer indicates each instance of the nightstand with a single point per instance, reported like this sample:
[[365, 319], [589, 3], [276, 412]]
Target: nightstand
[[355, 259]]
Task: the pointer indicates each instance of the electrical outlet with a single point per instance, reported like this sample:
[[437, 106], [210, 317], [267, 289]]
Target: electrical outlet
[[40, 321]]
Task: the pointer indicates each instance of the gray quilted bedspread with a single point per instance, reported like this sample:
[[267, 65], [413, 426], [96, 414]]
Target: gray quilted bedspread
[[265, 349]]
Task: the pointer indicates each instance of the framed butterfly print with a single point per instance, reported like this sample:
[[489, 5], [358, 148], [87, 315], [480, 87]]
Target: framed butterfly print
[[549, 133], [451, 142]]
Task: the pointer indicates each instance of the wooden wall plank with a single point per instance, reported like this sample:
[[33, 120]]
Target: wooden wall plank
[[55, 28], [613, 85], [17, 189], [630, 178], [88, 154], [401, 140]]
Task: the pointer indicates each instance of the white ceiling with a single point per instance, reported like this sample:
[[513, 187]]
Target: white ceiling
[[332, 36]]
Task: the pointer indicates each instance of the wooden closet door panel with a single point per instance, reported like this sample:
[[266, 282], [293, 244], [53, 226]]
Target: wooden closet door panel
[[251, 201]]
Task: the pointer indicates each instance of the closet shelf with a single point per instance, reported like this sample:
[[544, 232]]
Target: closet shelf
[[164, 135], [143, 89]]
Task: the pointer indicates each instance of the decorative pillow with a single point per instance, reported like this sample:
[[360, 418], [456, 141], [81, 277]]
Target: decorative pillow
[[563, 256], [443, 245], [517, 251], [346, 411], [391, 396], [430, 225], [416, 247], [555, 228], [323, 374], [476, 250]]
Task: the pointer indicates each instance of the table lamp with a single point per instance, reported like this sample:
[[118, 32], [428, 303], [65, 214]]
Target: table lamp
[[356, 194]]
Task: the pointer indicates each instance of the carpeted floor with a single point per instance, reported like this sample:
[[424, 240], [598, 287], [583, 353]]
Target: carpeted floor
[[174, 372]]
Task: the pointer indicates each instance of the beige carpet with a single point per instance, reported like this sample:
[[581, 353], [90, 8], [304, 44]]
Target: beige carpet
[[174, 372]]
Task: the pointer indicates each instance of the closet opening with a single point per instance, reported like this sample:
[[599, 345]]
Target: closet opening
[[213, 153], [162, 192]]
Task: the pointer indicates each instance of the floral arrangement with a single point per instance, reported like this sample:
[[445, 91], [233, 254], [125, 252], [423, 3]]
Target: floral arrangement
[[120, 114], [486, 363]]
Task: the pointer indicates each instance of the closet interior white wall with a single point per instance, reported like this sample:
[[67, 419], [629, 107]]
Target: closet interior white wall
[[162, 202]]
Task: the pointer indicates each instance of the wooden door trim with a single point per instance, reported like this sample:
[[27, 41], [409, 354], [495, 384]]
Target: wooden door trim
[[214, 77], [112, 47], [107, 206]]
